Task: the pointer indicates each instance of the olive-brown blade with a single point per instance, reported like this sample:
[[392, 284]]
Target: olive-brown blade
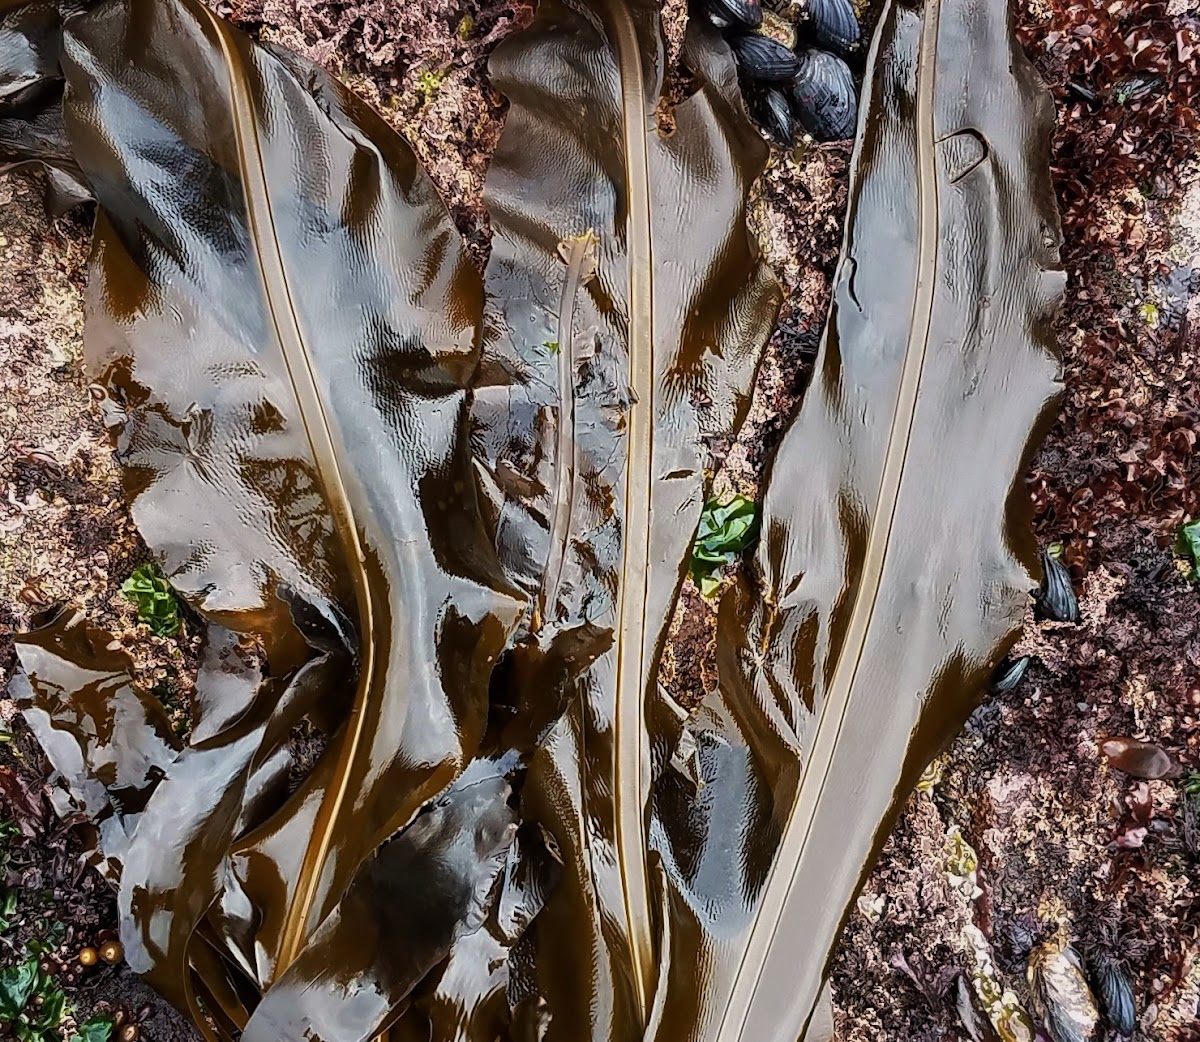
[[402, 916], [284, 321], [893, 565], [110, 743], [631, 309], [31, 88]]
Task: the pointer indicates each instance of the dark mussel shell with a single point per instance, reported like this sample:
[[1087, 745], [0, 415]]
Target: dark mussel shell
[[831, 23], [1112, 987], [761, 58], [741, 14], [824, 97], [1009, 675], [1056, 598], [771, 108], [1060, 994]]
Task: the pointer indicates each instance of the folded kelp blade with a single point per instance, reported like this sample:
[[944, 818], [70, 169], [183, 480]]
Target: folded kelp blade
[[631, 314], [399, 919], [285, 324], [114, 748], [110, 743], [895, 547], [31, 87]]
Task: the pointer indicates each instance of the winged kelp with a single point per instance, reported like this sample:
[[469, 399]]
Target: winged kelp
[[348, 574], [892, 572], [644, 278], [285, 336], [31, 86]]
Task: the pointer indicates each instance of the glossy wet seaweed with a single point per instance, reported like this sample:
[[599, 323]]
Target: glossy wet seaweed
[[446, 519]]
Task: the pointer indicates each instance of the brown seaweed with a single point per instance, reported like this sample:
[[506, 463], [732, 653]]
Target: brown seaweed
[[285, 337], [631, 315], [893, 568], [31, 89], [446, 520]]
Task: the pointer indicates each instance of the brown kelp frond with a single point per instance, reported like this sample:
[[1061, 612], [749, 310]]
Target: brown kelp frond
[[893, 562], [445, 520], [285, 337], [31, 91], [629, 320]]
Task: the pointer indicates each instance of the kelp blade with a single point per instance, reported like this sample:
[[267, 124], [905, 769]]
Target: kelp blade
[[895, 552], [285, 325], [31, 89], [630, 313]]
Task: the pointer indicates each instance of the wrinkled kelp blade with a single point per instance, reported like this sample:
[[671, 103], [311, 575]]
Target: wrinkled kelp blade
[[31, 89], [895, 541], [110, 743], [397, 921], [631, 312], [285, 324]]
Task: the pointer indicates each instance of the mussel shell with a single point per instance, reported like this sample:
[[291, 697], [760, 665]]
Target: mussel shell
[[1115, 992], [1009, 675], [1056, 598], [832, 24], [1060, 994], [740, 14], [771, 108], [824, 97], [764, 59]]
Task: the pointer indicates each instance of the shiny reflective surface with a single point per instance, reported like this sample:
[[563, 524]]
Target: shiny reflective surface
[[630, 314], [285, 324], [896, 553], [446, 520], [31, 90]]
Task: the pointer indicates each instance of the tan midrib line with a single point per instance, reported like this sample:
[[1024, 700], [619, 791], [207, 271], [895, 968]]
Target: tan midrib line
[[787, 863], [630, 787], [320, 438], [565, 462]]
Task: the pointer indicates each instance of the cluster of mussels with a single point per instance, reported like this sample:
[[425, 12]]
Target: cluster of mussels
[[810, 84]]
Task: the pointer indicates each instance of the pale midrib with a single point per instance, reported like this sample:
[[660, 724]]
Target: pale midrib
[[787, 862], [629, 784], [299, 366], [565, 462]]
